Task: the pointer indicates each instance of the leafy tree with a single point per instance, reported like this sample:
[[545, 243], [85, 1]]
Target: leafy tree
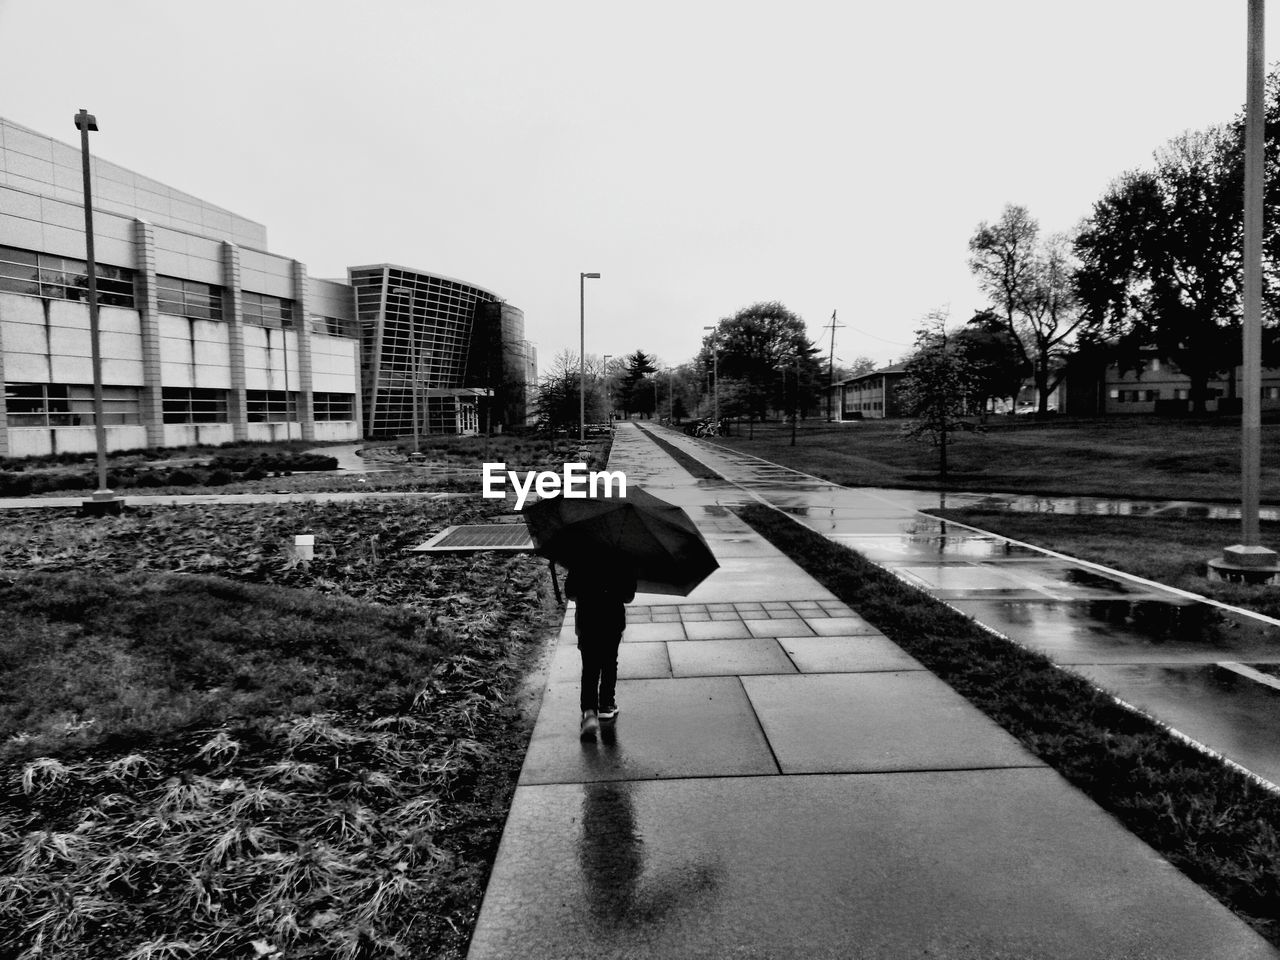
[[997, 367], [1161, 259], [937, 388], [857, 368], [754, 345], [636, 391]]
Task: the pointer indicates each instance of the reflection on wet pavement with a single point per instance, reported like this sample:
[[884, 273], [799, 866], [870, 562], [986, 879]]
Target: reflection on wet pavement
[[1239, 718]]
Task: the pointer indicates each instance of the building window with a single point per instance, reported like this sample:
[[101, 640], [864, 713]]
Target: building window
[[334, 406], [1181, 393], [264, 310], [193, 405], [69, 405], [271, 406], [334, 327], [188, 298], [42, 275]]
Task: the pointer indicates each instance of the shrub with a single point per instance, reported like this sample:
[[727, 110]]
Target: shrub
[[181, 477]]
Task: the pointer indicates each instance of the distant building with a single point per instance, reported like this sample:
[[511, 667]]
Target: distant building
[[1101, 388], [870, 396], [206, 337]]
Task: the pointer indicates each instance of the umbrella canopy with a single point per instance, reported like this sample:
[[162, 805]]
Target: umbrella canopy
[[659, 540]]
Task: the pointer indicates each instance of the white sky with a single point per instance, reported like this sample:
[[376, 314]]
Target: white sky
[[700, 155]]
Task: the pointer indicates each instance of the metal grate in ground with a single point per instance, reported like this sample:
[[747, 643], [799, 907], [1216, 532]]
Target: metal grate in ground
[[479, 536]]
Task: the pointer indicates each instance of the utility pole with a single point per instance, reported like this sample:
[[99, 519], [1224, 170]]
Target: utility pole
[[831, 364]]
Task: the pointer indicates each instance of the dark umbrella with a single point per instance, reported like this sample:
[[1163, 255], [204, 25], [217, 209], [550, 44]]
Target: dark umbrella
[[658, 538]]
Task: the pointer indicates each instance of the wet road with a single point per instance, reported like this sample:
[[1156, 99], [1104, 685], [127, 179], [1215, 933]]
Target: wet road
[[1197, 666]]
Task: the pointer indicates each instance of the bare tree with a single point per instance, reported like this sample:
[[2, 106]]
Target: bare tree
[[1050, 314], [1031, 284]]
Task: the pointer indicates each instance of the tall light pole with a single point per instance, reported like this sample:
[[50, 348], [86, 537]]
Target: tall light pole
[[1249, 554], [715, 373], [86, 122], [582, 352]]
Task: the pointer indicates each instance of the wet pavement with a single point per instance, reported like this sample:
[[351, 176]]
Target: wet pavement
[[1151, 646], [785, 781]]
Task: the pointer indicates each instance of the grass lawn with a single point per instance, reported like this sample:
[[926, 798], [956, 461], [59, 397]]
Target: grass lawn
[[1169, 550], [210, 750], [1212, 822], [1138, 457]]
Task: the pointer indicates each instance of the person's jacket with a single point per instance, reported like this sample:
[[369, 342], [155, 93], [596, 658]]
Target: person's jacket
[[601, 592]]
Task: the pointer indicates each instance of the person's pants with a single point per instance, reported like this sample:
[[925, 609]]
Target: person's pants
[[599, 671]]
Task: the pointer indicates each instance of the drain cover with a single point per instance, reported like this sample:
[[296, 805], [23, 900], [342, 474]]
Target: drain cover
[[479, 536]]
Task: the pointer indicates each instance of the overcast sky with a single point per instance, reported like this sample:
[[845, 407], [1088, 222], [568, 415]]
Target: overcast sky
[[702, 156]]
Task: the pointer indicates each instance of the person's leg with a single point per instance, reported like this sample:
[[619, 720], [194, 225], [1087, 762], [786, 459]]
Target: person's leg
[[607, 703], [589, 696]]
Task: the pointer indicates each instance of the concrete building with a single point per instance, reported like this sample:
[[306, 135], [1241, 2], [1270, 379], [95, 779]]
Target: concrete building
[[208, 337], [870, 396]]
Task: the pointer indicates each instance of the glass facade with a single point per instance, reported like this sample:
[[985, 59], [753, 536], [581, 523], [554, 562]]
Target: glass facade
[[418, 341]]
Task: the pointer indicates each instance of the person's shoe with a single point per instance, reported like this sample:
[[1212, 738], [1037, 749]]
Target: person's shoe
[[608, 714], [590, 725]]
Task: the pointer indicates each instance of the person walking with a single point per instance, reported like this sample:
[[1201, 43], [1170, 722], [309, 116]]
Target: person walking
[[601, 583]]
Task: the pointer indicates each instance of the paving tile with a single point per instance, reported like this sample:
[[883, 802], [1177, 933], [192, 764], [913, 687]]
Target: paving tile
[[876, 722], [725, 615], [666, 618], [841, 626], [635, 661], [694, 727], [959, 865], [716, 629], [847, 654], [788, 627], [652, 632], [727, 658]]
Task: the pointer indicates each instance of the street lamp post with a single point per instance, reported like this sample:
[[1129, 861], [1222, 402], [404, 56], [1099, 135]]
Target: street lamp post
[[1249, 560], [582, 353], [715, 374], [103, 499]]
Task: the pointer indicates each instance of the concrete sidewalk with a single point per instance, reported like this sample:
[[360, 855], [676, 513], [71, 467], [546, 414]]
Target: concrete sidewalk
[[786, 782]]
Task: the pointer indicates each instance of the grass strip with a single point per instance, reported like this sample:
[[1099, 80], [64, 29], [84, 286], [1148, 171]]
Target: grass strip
[[1214, 823], [695, 467]]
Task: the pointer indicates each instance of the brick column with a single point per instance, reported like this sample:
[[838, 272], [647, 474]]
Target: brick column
[[233, 315], [302, 327], [144, 242]]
